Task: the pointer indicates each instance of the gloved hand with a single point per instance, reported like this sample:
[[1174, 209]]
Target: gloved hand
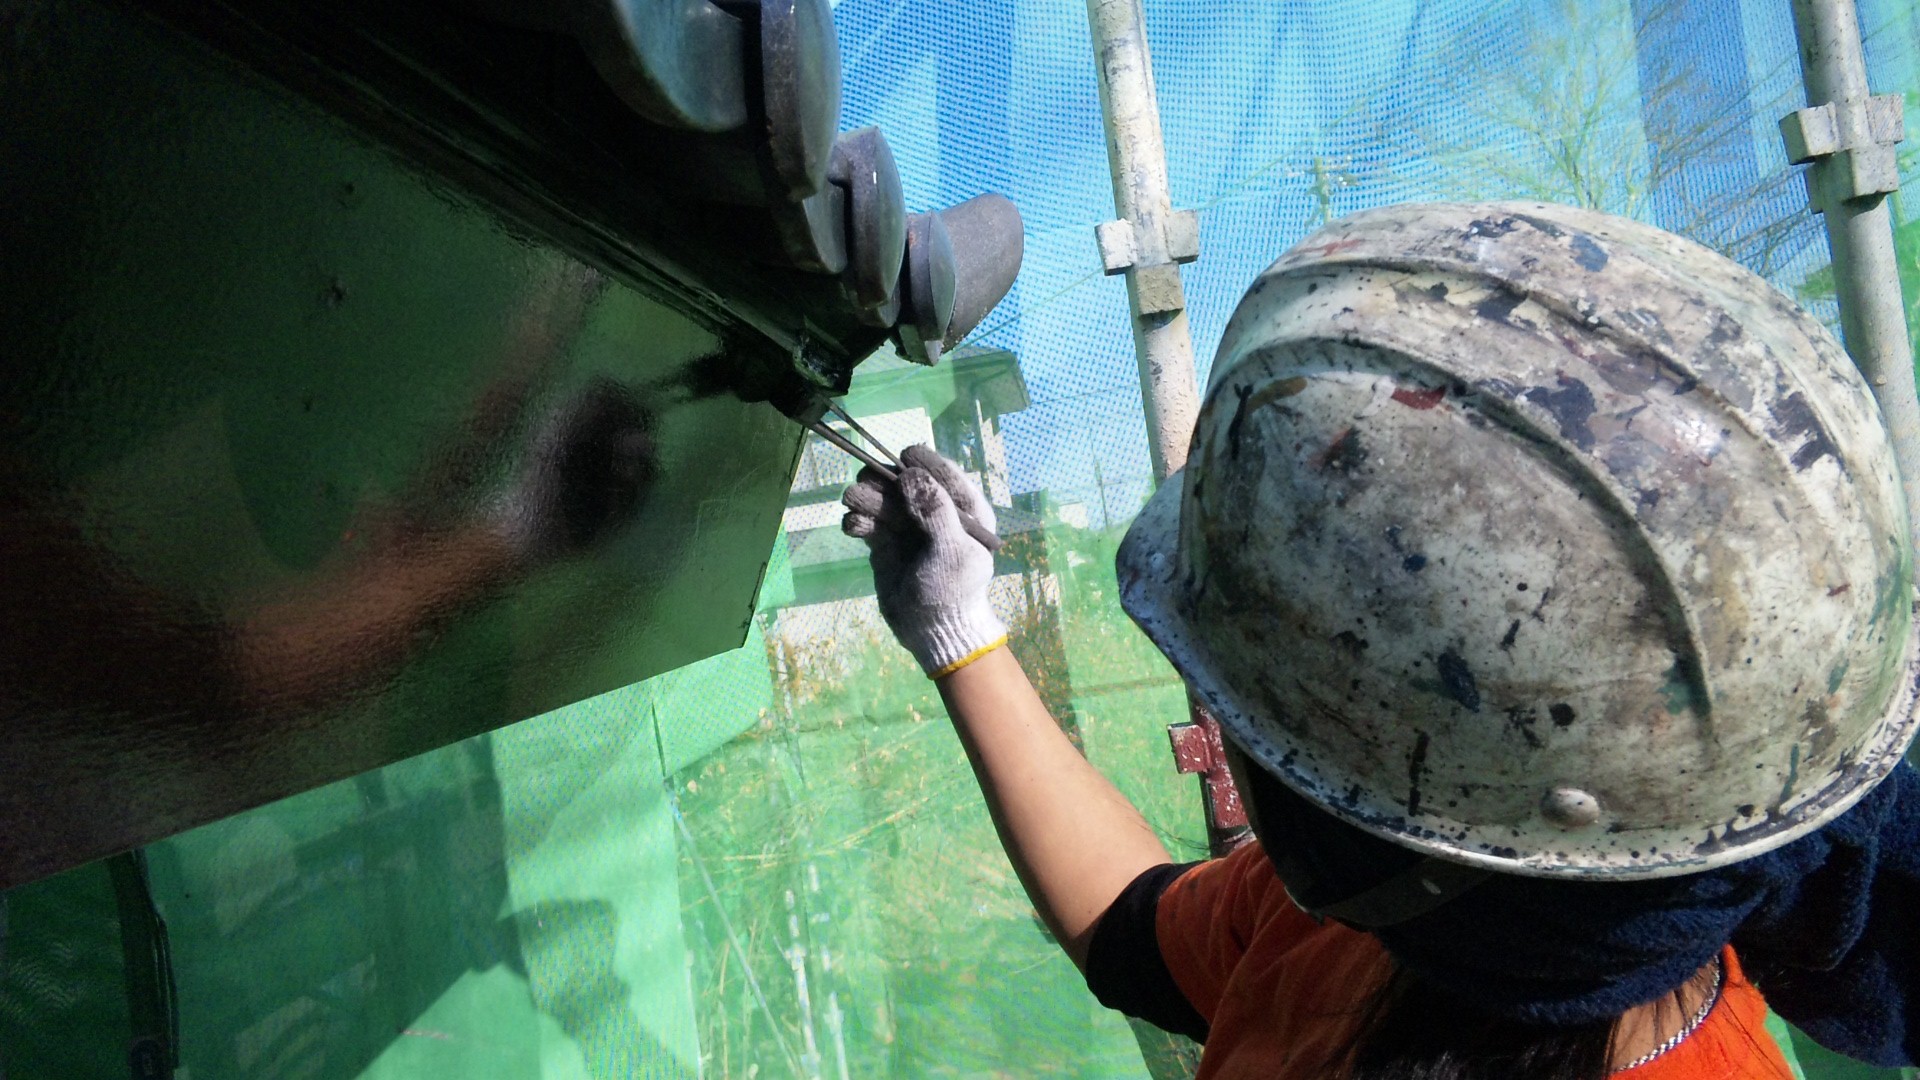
[[930, 576]]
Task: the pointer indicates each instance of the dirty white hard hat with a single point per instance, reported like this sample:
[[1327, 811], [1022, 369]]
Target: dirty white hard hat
[[1540, 540]]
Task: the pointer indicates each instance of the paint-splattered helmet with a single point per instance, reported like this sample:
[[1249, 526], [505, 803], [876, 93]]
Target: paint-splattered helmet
[[1540, 540]]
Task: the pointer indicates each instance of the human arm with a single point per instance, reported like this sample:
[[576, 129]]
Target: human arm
[[1074, 840]]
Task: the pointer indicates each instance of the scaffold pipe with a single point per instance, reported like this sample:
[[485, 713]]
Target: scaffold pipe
[[1848, 135], [1149, 239]]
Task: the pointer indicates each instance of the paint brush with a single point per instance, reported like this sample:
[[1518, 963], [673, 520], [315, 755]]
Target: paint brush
[[968, 522]]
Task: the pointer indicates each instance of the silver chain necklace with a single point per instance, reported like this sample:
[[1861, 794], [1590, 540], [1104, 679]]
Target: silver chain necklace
[[1692, 1025]]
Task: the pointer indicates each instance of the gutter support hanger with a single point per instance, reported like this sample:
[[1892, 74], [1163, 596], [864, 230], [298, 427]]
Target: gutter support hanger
[[1848, 136]]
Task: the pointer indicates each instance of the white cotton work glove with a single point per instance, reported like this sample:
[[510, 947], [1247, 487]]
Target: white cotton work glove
[[930, 576]]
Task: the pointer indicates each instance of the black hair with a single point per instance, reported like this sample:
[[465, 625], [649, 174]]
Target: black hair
[[1412, 1030]]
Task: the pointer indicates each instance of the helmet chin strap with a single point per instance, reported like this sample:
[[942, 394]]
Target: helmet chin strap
[[1406, 895]]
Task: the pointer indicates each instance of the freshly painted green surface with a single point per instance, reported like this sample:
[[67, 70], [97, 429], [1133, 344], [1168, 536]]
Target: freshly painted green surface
[[261, 343], [257, 365]]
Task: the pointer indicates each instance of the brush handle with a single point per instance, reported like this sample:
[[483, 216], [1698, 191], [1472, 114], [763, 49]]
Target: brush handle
[[987, 537], [979, 532]]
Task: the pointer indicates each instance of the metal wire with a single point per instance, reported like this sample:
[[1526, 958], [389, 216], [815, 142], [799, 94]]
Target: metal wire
[[987, 537], [821, 429], [836, 409]]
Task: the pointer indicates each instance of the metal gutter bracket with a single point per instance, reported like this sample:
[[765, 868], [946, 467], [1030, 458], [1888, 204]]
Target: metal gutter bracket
[[989, 240], [748, 95], [960, 263], [679, 63], [926, 289], [863, 169]]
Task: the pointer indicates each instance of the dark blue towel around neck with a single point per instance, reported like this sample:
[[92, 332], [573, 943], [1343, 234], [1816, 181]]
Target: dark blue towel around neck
[[1834, 945], [1828, 927]]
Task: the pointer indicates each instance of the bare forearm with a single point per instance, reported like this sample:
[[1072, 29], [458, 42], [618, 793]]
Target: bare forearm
[[1075, 841]]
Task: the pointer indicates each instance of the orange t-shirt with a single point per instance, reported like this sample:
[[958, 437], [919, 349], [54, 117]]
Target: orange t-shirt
[[1279, 991]]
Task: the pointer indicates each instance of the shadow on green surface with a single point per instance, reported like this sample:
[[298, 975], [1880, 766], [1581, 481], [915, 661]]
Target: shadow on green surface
[[309, 935], [592, 1003]]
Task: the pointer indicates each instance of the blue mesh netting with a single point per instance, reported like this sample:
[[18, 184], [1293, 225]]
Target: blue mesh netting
[[1279, 116]]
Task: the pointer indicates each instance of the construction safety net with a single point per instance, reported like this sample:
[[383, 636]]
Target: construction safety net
[[774, 862]]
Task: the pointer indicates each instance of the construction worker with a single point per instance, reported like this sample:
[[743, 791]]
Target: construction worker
[[1548, 576]]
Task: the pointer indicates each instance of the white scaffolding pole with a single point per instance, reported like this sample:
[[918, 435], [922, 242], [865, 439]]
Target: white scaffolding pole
[[1848, 135], [1147, 242], [1149, 239]]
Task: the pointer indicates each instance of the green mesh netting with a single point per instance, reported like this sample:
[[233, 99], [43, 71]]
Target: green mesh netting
[[774, 862]]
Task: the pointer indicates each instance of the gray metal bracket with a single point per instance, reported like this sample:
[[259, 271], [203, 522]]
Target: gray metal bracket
[[1124, 250], [1863, 166], [750, 93], [926, 289], [863, 168]]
